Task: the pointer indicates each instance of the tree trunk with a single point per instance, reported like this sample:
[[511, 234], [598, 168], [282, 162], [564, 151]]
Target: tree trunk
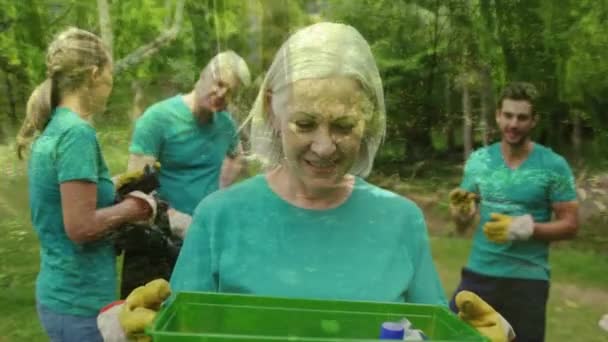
[[418, 144], [12, 101], [255, 35], [434, 60], [576, 134], [167, 21], [485, 8], [105, 24], [467, 124], [502, 21], [483, 116], [138, 100], [2, 132], [487, 103], [275, 28], [197, 15], [447, 99]]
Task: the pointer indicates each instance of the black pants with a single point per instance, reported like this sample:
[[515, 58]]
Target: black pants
[[522, 302]]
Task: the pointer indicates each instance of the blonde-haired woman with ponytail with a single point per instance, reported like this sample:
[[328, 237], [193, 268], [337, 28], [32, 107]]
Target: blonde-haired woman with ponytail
[[71, 193]]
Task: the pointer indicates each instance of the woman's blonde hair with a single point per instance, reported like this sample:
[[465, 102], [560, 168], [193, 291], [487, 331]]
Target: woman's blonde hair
[[321, 50], [69, 59]]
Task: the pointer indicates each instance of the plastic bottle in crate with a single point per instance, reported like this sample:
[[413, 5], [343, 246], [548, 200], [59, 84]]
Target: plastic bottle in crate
[[402, 330]]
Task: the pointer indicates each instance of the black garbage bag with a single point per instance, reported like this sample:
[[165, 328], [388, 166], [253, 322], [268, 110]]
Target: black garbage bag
[[149, 250]]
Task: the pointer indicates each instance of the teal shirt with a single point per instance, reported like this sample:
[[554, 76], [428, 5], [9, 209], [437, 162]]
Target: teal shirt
[[191, 154], [246, 239], [76, 279], [544, 178]]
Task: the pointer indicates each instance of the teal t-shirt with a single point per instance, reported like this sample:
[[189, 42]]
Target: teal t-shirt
[[246, 239], [76, 279], [191, 154], [544, 178]]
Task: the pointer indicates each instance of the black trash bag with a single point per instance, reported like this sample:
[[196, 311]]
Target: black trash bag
[[151, 249]]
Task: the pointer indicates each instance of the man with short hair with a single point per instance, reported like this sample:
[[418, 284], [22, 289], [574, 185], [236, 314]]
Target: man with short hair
[[515, 185], [197, 145], [192, 135]]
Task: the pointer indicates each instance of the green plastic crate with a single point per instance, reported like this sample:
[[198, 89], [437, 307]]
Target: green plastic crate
[[210, 317]]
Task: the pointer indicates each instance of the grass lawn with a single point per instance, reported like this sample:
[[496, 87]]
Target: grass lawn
[[579, 291]]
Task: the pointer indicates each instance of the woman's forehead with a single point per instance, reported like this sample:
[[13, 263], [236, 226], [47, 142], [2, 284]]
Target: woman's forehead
[[314, 86], [318, 92]]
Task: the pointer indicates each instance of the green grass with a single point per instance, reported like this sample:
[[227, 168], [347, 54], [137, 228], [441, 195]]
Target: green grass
[[569, 265], [579, 292], [19, 254]]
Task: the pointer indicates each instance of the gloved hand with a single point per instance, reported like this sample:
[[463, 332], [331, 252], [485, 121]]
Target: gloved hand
[[480, 315], [144, 180], [603, 323], [462, 204], [126, 320], [178, 222], [502, 228], [108, 323], [139, 184], [149, 200]]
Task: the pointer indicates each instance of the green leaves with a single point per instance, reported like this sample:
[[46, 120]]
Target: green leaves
[[425, 50]]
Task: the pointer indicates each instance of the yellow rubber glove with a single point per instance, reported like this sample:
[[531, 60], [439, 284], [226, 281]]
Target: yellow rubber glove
[[140, 307], [503, 228], [481, 316], [129, 177], [462, 202]]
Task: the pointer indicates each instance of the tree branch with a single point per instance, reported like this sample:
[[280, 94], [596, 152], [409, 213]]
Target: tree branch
[[151, 48], [61, 16], [167, 20]]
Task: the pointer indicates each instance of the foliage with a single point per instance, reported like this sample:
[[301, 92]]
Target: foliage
[[426, 51]]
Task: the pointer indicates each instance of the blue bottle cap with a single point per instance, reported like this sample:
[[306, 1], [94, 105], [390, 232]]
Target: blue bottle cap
[[391, 331]]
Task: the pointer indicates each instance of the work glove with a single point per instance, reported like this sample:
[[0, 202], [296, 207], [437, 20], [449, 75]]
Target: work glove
[[179, 222], [139, 184], [149, 200], [126, 320], [462, 203], [144, 180], [603, 323], [481, 316], [503, 228]]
